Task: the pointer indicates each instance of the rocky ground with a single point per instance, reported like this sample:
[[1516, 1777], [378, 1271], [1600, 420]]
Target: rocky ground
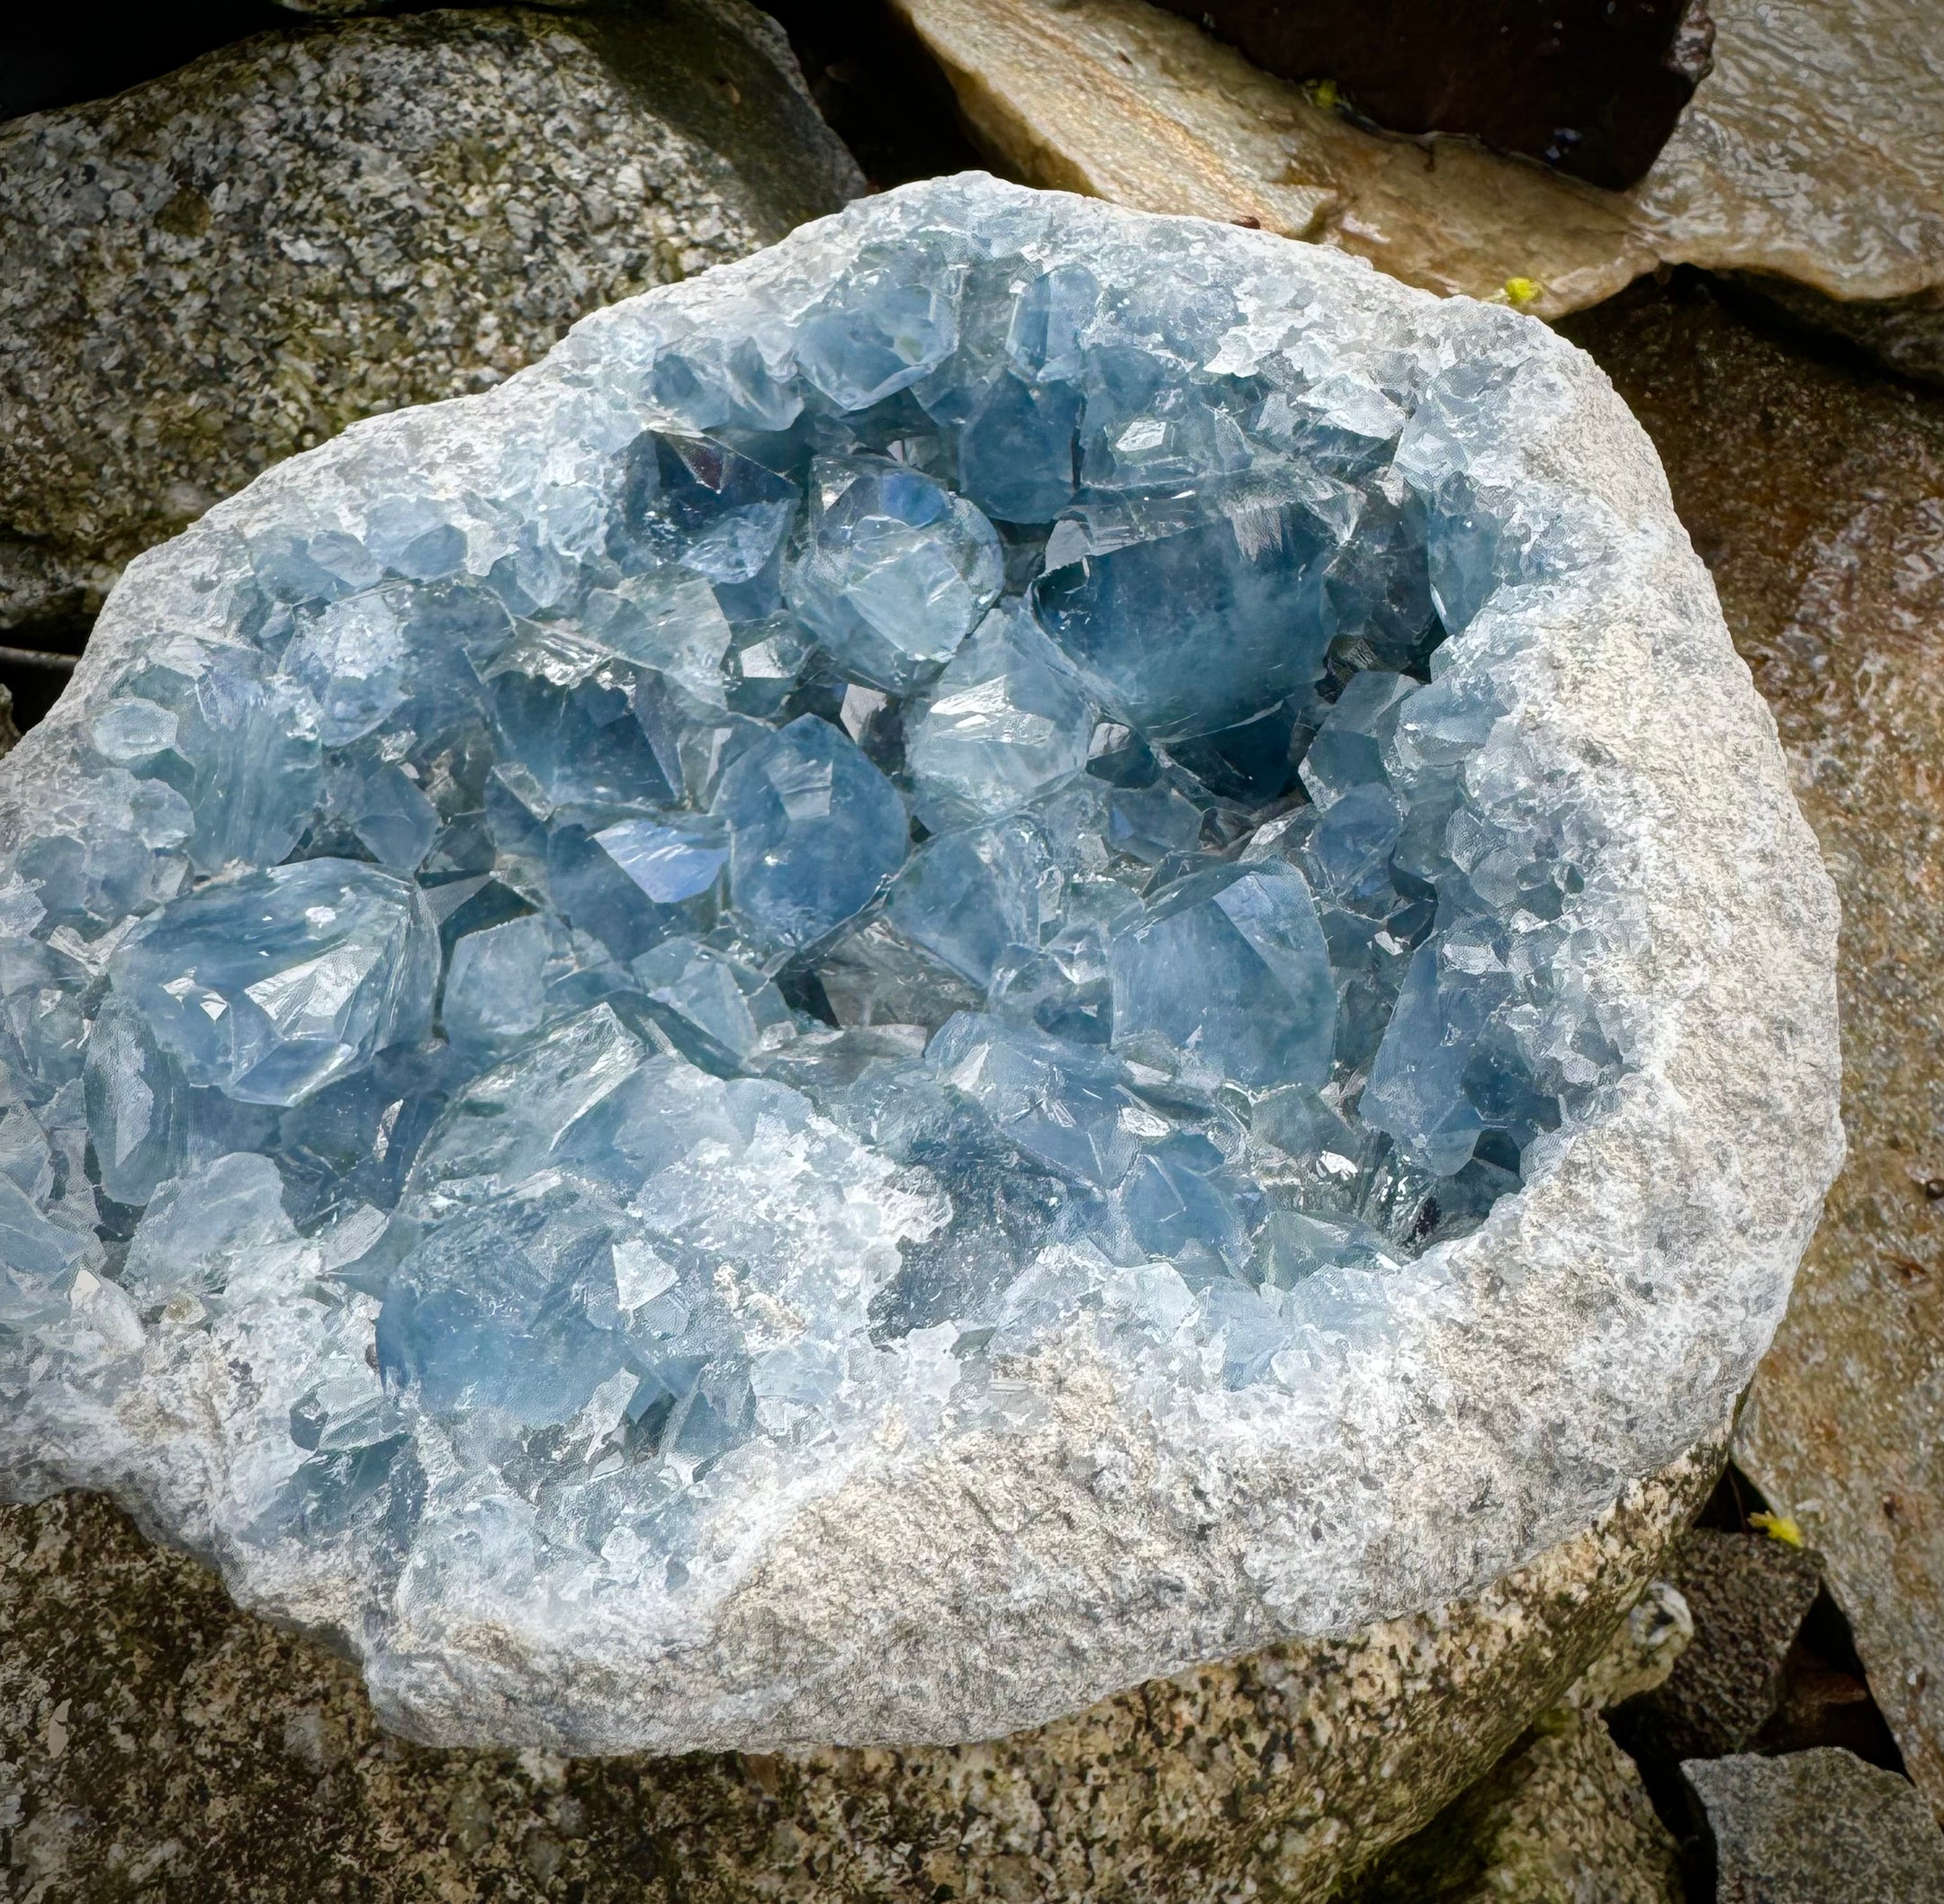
[[327, 215]]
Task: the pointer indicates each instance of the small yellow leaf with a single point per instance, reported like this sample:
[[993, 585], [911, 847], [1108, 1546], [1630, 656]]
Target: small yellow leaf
[[1778, 1527]]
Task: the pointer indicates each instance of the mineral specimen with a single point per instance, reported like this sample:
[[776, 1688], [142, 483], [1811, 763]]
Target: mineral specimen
[[961, 965]]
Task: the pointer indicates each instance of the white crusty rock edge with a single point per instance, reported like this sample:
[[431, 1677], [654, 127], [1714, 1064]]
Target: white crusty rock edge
[[936, 1581]]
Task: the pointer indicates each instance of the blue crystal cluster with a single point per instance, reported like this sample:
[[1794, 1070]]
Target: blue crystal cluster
[[967, 776]]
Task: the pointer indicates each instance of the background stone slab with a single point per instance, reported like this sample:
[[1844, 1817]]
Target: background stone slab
[[1812, 153]]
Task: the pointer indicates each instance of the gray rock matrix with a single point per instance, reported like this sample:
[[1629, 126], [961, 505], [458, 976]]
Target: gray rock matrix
[[229, 264], [1814, 1827], [1479, 1405]]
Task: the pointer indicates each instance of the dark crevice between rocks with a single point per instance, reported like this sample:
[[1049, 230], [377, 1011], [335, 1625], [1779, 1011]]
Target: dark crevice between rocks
[[37, 660], [57, 56], [883, 94], [1591, 87], [1715, 1704]]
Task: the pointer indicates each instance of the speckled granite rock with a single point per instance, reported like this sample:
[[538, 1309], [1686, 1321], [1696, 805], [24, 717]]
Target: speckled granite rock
[[232, 263], [1815, 152], [1564, 1820], [1643, 1652], [152, 1735], [1812, 492], [1816, 1826], [1748, 1597]]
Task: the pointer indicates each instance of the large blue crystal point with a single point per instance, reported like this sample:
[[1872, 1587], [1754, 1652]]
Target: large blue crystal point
[[815, 829], [270, 986], [896, 569], [1228, 968]]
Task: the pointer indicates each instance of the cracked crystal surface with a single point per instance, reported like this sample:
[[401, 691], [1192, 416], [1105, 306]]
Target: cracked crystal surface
[[844, 835]]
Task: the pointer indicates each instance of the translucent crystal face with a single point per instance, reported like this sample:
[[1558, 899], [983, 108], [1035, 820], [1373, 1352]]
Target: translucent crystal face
[[952, 806]]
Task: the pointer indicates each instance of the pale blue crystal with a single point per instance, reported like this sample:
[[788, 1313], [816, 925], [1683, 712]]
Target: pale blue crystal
[[246, 755], [670, 859], [716, 1012], [893, 319], [136, 1104], [353, 659], [507, 1123], [270, 986], [716, 513], [814, 831], [1181, 1202], [895, 571], [972, 897], [385, 810], [1064, 1103], [43, 1027], [876, 975], [30, 1245], [511, 1306], [1348, 750], [133, 731], [496, 984], [1417, 1085], [205, 1227], [1227, 968], [580, 730], [1005, 721], [1016, 451], [1188, 614]]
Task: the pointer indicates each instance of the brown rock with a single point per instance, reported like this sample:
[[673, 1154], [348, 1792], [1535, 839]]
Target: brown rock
[[153, 1739], [1813, 153], [1813, 493]]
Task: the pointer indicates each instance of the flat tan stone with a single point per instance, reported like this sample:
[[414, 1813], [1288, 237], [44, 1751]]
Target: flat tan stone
[[1816, 496], [1815, 152], [154, 1739]]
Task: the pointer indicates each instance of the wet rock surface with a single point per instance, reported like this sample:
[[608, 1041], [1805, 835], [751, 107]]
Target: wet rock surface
[[1813, 1825], [150, 1734], [1786, 162], [232, 263], [1811, 491]]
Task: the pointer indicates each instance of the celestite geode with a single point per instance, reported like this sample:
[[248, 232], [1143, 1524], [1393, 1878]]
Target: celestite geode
[[962, 963]]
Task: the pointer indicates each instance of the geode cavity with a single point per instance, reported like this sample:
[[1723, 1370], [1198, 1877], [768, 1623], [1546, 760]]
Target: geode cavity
[[1016, 946]]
